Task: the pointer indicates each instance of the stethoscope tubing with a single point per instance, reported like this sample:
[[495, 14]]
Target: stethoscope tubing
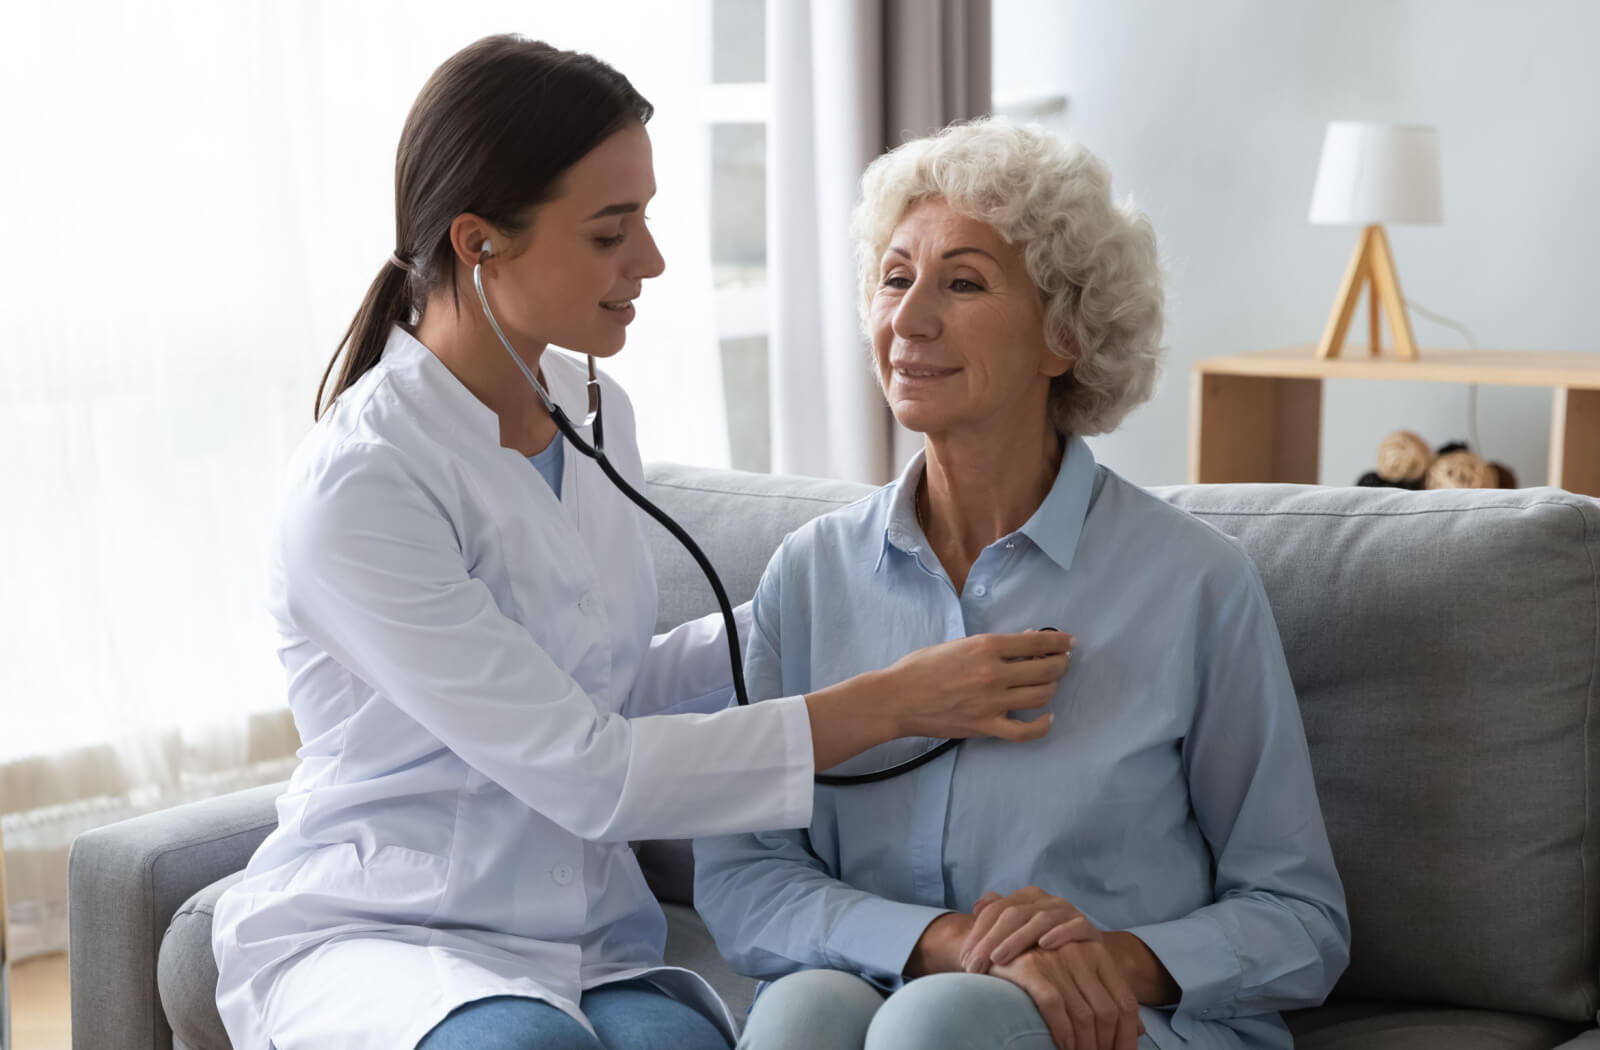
[[596, 451]]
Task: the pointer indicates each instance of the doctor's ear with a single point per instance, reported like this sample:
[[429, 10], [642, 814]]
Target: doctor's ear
[[473, 240]]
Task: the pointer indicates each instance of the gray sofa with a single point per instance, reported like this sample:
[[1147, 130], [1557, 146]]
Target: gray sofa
[[1446, 648]]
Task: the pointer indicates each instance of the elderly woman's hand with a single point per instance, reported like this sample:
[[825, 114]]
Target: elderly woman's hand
[[1081, 993], [1005, 927]]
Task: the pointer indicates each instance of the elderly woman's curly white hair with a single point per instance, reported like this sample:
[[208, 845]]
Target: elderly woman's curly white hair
[[1093, 261]]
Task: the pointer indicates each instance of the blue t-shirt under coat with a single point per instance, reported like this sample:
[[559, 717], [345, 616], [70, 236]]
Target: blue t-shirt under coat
[[549, 462]]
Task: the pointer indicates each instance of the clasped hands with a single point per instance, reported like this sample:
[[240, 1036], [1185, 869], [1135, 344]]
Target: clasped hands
[[1086, 984]]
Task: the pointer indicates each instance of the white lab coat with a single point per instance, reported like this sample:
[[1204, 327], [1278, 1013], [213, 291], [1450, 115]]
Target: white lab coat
[[473, 677]]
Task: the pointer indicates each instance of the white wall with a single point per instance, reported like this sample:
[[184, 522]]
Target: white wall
[[1211, 115]]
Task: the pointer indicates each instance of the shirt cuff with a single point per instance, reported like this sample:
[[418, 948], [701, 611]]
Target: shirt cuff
[[1201, 960], [800, 761], [875, 937]]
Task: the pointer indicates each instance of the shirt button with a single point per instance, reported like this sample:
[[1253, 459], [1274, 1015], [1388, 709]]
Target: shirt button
[[980, 590], [562, 874], [586, 603]]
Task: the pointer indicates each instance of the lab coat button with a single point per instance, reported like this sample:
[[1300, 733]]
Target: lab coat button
[[562, 874]]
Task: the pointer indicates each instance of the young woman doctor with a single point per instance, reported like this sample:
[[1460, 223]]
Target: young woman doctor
[[486, 718]]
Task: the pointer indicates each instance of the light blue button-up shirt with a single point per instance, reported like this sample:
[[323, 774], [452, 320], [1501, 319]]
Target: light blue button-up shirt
[[1172, 798]]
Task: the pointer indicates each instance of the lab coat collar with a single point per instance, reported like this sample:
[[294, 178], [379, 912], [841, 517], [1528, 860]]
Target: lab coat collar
[[411, 364], [407, 359]]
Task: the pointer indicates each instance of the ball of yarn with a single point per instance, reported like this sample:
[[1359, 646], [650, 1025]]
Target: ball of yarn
[[1403, 456], [1461, 470]]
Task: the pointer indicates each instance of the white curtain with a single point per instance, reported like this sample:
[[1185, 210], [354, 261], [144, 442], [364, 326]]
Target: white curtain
[[196, 196], [850, 78]]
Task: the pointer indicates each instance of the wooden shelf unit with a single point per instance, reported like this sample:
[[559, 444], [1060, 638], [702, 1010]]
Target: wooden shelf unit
[[1258, 416]]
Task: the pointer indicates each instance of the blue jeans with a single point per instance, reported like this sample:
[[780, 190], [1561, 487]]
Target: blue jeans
[[632, 1015], [830, 1010]]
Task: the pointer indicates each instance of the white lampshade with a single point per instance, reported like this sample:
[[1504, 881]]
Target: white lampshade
[[1377, 173]]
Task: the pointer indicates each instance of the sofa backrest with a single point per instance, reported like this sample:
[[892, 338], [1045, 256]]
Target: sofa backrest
[[1445, 648], [738, 519]]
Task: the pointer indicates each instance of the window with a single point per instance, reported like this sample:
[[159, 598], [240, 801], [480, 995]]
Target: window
[[738, 111], [216, 180]]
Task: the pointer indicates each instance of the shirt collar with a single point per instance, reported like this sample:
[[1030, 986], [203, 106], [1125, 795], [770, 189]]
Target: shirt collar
[[1058, 523], [1054, 527], [900, 529]]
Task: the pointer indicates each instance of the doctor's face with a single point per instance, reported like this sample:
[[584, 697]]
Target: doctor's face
[[958, 327], [572, 276]]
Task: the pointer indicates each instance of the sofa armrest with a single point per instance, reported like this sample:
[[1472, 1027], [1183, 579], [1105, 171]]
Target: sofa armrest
[[5, 960], [124, 882]]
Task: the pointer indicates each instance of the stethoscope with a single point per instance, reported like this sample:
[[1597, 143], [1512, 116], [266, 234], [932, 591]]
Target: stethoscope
[[597, 452]]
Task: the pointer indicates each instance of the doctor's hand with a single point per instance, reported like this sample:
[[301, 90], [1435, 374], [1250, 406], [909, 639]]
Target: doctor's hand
[[963, 688], [968, 687]]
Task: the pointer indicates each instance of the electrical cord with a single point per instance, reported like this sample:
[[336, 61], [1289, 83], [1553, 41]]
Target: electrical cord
[[1472, 388]]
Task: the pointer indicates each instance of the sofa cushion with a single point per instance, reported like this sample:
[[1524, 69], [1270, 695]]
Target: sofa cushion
[[1444, 646], [690, 946], [186, 972], [1385, 1026]]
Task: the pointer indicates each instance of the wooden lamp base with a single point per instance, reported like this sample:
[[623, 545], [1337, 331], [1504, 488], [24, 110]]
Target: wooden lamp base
[[1371, 266]]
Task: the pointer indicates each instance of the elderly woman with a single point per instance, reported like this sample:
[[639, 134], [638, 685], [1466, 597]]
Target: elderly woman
[[1155, 870]]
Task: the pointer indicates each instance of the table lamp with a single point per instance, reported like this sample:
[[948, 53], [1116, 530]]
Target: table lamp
[[1373, 174]]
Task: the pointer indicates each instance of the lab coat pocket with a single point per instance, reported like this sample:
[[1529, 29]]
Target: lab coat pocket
[[410, 881], [393, 884]]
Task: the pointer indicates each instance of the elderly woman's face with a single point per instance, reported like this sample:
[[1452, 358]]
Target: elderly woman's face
[[958, 326]]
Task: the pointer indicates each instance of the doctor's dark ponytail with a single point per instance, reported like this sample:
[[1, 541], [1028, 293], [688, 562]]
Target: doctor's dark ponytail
[[491, 133]]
